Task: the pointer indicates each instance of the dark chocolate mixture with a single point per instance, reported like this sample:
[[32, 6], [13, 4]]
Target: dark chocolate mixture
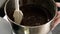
[[34, 15]]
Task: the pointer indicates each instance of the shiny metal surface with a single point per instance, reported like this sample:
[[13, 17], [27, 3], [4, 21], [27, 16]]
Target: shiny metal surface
[[42, 29], [5, 27]]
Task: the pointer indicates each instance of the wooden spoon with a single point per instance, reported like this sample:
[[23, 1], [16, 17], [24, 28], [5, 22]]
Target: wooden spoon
[[18, 15]]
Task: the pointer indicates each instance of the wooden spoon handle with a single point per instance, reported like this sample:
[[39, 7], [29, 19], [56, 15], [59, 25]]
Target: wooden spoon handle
[[17, 5]]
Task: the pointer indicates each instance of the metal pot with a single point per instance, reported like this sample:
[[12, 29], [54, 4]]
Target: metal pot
[[41, 29]]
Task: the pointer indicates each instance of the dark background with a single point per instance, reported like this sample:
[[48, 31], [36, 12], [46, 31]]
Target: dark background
[[57, 0]]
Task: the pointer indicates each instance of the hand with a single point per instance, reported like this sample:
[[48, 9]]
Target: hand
[[57, 20]]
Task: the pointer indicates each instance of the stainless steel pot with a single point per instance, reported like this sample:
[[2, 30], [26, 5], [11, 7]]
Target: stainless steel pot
[[41, 29]]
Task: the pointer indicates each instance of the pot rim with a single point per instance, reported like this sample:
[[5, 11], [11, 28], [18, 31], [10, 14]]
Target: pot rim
[[32, 26]]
